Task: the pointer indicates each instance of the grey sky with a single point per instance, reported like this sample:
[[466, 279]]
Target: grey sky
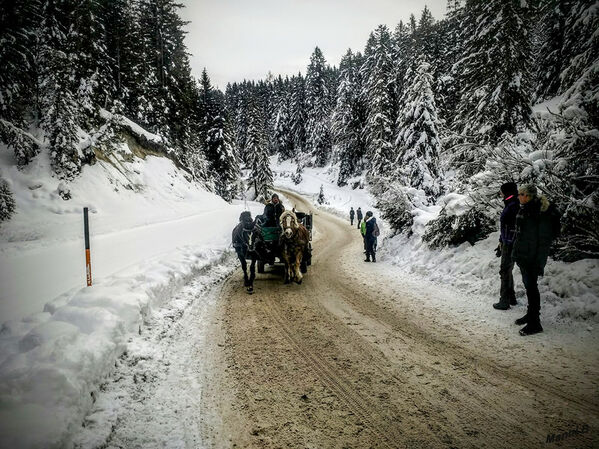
[[245, 39]]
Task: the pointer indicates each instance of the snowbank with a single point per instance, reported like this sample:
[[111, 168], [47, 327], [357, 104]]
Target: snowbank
[[151, 231]]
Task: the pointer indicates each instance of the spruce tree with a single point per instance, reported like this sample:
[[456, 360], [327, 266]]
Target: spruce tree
[[450, 39], [318, 136], [283, 133], [58, 92], [224, 166], [7, 202], [298, 113], [493, 73], [418, 139], [347, 119], [379, 96], [549, 47], [580, 52], [260, 177]]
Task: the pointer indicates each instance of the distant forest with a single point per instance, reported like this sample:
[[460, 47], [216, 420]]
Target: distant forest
[[428, 108]]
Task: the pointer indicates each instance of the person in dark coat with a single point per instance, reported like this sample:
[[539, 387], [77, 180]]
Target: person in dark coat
[[537, 224], [359, 216], [272, 212], [351, 215], [370, 237], [507, 225]]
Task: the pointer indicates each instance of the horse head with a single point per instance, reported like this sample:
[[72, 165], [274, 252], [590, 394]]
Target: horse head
[[255, 236], [289, 223]]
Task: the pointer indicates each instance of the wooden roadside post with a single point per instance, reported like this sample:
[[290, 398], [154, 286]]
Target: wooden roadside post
[[88, 265]]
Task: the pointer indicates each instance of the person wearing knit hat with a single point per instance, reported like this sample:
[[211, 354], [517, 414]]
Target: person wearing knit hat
[[537, 225], [507, 223]]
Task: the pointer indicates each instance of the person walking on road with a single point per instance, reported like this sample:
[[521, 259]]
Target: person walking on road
[[371, 234], [359, 216], [537, 224], [507, 220], [351, 215]]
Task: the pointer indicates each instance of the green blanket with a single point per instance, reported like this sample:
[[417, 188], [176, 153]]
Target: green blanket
[[270, 234]]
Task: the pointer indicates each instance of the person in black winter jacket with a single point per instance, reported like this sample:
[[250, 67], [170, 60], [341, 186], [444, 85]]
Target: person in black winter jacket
[[537, 224], [359, 216], [273, 211], [507, 221], [351, 215], [370, 237]]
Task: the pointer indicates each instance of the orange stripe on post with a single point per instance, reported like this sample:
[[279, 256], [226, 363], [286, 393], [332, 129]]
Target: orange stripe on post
[[88, 268]]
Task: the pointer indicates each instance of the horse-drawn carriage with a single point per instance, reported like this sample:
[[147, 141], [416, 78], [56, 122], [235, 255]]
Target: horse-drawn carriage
[[271, 237], [290, 243]]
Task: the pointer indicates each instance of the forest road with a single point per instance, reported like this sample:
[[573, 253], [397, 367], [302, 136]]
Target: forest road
[[341, 362]]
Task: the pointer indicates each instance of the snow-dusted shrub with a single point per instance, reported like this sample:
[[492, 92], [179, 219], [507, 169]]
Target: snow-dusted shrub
[[580, 234], [7, 202], [297, 176], [396, 207], [23, 144], [453, 230], [321, 199], [561, 160]]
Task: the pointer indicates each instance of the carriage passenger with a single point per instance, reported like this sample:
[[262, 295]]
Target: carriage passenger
[[273, 211]]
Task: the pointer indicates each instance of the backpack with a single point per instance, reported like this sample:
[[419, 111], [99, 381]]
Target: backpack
[[376, 231]]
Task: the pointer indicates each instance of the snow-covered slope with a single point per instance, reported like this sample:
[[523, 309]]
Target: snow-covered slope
[[151, 230]]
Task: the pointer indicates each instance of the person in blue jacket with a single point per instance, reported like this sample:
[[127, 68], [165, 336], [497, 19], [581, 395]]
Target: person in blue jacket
[[370, 236], [507, 225]]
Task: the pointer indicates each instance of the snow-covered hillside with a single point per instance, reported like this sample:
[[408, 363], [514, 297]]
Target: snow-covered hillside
[[151, 231]]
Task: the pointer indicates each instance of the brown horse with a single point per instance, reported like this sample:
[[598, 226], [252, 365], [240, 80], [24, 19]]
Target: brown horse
[[293, 243]]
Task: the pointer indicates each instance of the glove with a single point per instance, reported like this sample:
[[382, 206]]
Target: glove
[[498, 250]]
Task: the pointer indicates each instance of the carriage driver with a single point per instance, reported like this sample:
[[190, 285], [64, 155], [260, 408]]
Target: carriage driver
[[273, 211]]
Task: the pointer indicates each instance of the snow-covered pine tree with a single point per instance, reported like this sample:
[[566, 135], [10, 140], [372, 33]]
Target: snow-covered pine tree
[[7, 202], [549, 46], [127, 45], [418, 143], [321, 199], [298, 113], [283, 137], [493, 72], [425, 38], [224, 166], [58, 90], [318, 135], [260, 176], [347, 119], [379, 97], [449, 38], [580, 52], [18, 22], [18, 40]]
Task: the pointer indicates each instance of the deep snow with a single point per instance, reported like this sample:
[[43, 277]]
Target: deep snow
[[152, 230]]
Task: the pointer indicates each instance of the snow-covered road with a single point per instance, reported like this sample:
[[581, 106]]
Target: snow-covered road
[[358, 355]]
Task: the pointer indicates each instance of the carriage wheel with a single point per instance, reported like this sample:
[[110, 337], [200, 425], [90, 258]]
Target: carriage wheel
[[260, 267]]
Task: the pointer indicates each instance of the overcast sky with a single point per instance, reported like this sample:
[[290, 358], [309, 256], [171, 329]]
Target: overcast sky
[[245, 39]]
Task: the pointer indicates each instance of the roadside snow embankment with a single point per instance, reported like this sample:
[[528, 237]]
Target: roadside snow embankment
[[569, 291], [152, 230]]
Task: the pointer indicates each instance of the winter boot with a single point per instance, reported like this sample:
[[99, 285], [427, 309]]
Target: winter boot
[[533, 327], [501, 305], [522, 320], [373, 258], [367, 259]]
